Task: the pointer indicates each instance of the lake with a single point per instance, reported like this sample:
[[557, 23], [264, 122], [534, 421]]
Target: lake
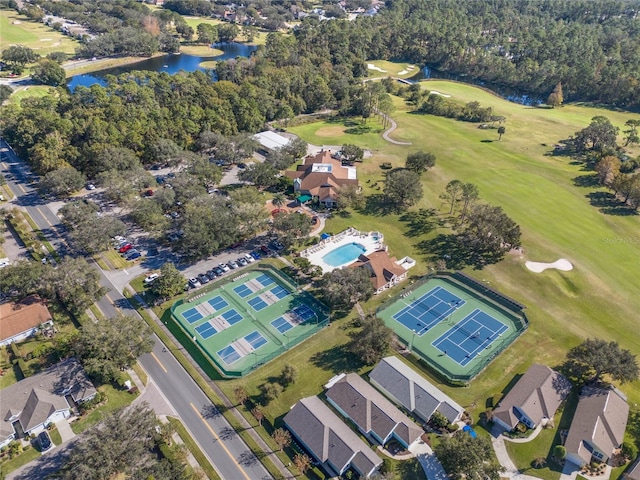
[[171, 64]]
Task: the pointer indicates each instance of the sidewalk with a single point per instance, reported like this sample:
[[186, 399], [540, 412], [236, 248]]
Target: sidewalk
[[268, 453], [497, 440], [428, 461]]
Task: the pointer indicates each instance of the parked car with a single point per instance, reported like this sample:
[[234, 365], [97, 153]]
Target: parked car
[[133, 255], [232, 265], [276, 245], [212, 274], [218, 271], [314, 220], [265, 250], [255, 254], [224, 267], [91, 186], [150, 278], [125, 248], [44, 440], [249, 258], [242, 261], [203, 278], [194, 282]]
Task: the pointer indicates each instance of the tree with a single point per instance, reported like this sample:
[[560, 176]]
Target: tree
[[608, 169], [278, 200], [49, 72], [468, 197], [350, 196], [600, 135], [631, 133], [489, 232], [261, 174], [62, 181], [170, 282], [371, 343], [291, 227], [107, 346], [122, 445], [351, 153], [90, 231], [17, 56], [420, 161], [148, 214], [296, 147], [594, 358], [465, 457], [438, 420], [289, 375], [556, 98], [282, 438], [501, 131], [58, 57], [241, 394], [403, 188], [559, 451], [302, 462], [207, 33], [228, 32], [22, 278], [74, 282], [452, 194], [342, 288], [270, 391], [5, 93], [258, 414], [201, 168]]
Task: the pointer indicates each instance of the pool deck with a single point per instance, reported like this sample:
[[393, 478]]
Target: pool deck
[[371, 241]]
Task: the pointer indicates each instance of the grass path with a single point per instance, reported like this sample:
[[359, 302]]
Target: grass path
[[542, 194]]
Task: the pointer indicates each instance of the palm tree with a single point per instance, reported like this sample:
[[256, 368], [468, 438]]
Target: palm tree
[[278, 200], [302, 461], [501, 131]]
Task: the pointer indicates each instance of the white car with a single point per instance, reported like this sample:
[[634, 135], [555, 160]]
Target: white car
[[249, 258], [224, 267], [91, 186], [194, 282], [151, 278]]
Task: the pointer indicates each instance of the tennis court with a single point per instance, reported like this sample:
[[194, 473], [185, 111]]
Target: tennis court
[[218, 303], [474, 333], [451, 325], [428, 310], [243, 290], [241, 323], [257, 304], [206, 330], [192, 315]]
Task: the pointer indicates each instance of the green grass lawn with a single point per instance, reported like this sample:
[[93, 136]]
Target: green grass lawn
[[340, 131], [56, 438], [393, 69], [193, 447], [200, 50], [19, 461], [18, 29], [597, 299], [116, 398], [31, 91]]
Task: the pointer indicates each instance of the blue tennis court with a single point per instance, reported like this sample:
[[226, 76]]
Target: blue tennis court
[[218, 303], [280, 292], [232, 316], [281, 325], [206, 330], [428, 310], [255, 339], [228, 355], [465, 340], [257, 304], [243, 291], [304, 312], [192, 315], [265, 279]]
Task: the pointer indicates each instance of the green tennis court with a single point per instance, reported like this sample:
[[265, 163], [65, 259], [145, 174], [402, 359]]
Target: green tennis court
[[454, 323], [250, 319]]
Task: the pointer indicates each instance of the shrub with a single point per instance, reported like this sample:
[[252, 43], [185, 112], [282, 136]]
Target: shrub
[[629, 450], [521, 427], [453, 427], [559, 452], [386, 166]]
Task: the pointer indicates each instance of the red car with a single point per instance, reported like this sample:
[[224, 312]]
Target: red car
[[125, 248]]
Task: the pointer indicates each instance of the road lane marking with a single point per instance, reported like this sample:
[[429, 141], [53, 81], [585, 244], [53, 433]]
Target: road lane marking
[[159, 362], [220, 442]]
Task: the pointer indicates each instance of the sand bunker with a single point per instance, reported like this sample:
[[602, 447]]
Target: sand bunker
[[435, 92], [403, 72], [562, 264], [371, 66]]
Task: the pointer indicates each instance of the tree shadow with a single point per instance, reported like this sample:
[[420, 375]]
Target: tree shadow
[[421, 222], [248, 459], [589, 180], [337, 359], [608, 204], [377, 204], [210, 411], [227, 433], [448, 248], [486, 141]]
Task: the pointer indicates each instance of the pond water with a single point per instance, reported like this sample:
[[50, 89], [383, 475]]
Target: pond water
[[168, 63]]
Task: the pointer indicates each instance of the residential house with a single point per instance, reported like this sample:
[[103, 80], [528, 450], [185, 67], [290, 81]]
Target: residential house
[[374, 415], [598, 425], [408, 388], [385, 271], [33, 403], [329, 440], [320, 177], [633, 472], [22, 320], [533, 399]]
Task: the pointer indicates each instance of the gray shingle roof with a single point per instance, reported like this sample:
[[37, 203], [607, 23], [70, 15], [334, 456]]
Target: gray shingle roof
[[600, 419], [538, 393], [407, 387], [34, 399], [328, 438], [371, 411], [633, 472]]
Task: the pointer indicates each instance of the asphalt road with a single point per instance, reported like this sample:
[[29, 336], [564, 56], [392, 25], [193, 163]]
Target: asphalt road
[[229, 454]]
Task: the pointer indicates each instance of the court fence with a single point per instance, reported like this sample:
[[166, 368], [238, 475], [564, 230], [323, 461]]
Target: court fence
[[321, 313], [504, 304]]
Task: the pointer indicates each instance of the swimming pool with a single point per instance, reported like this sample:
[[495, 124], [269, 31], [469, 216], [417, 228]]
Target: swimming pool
[[344, 254]]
